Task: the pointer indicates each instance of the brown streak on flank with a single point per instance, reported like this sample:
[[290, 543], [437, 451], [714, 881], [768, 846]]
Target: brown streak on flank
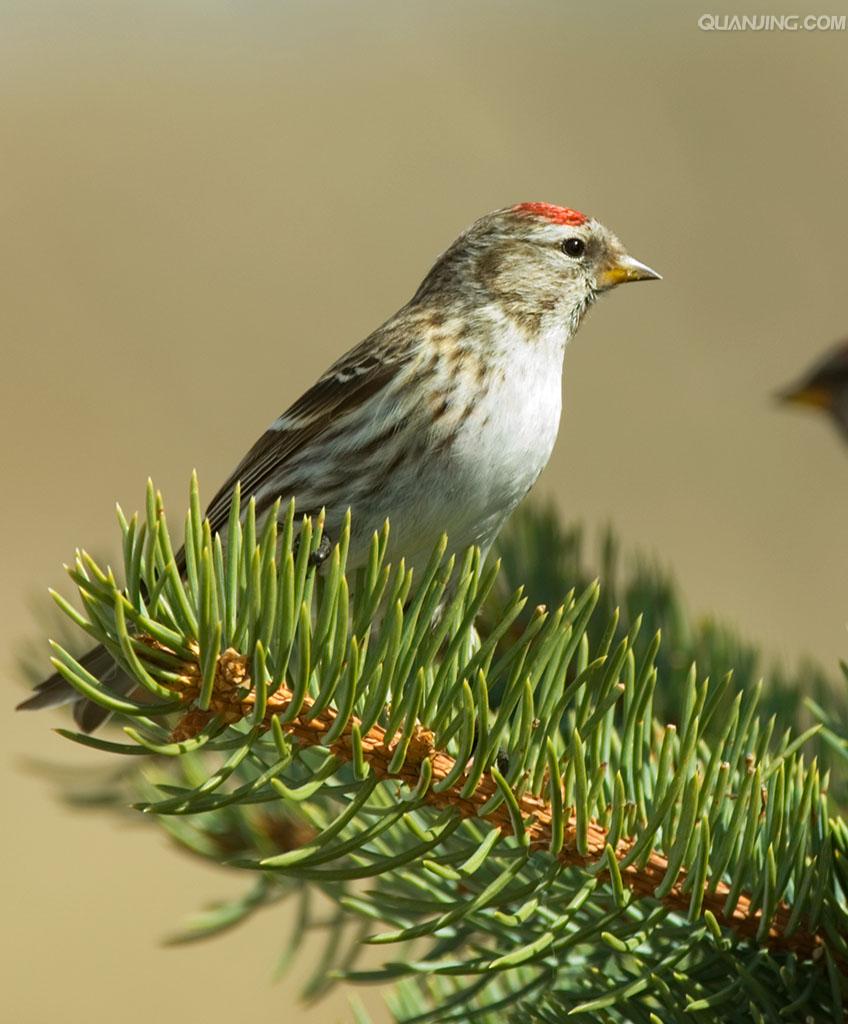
[[397, 461], [439, 405], [400, 457], [376, 443], [421, 374], [469, 328], [455, 358], [232, 674], [435, 451], [482, 371]]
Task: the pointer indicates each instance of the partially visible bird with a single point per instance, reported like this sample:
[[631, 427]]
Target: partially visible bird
[[444, 417], [825, 387]]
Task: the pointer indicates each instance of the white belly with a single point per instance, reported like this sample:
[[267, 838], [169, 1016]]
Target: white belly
[[500, 448]]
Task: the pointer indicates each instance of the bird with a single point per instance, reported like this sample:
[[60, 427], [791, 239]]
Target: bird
[[825, 387], [442, 419]]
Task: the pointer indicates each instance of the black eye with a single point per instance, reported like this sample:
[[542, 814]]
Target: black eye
[[573, 247]]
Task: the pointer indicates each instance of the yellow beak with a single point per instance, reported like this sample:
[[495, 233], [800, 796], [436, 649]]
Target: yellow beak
[[818, 398], [623, 269]]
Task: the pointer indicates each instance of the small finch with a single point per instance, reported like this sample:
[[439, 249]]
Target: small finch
[[444, 417], [825, 387]]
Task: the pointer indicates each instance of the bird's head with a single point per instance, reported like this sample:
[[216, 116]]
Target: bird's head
[[825, 387], [541, 265]]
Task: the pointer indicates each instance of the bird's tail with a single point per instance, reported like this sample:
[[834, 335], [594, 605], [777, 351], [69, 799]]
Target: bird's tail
[[56, 691]]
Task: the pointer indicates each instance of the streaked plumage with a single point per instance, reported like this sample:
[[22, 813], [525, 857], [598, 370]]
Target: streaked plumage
[[443, 418]]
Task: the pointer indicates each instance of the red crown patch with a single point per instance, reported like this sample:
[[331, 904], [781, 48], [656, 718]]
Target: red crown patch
[[555, 214]]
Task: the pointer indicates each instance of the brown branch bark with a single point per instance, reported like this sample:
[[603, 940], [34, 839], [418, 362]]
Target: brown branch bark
[[229, 702]]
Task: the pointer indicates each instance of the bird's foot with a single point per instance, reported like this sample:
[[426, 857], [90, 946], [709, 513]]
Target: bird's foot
[[322, 552]]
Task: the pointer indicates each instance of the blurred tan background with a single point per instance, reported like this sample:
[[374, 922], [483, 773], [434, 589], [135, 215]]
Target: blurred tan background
[[203, 203]]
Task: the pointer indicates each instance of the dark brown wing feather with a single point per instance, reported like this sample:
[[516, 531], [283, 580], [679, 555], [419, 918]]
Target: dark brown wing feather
[[349, 384]]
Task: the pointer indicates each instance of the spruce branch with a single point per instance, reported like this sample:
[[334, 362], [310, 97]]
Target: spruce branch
[[533, 822], [511, 798]]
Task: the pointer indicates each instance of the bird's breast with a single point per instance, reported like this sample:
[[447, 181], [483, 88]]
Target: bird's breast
[[509, 435], [503, 426], [478, 435]]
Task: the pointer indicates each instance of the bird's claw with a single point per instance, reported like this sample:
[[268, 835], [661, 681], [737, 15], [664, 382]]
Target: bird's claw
[[322, 552], [319, 555]]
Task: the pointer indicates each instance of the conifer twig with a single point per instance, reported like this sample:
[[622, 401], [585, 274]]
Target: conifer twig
[[232, 701]]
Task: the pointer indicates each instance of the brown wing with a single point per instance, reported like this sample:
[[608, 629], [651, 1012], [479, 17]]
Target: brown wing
[[350, 383]]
